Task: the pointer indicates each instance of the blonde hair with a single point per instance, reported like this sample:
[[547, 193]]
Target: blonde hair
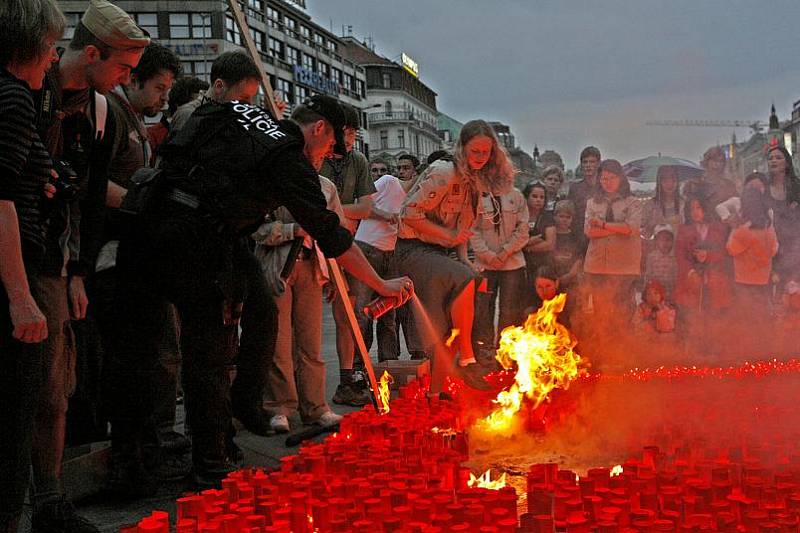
[[498, 171]]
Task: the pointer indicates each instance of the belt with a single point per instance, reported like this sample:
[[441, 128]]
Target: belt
[[183, 198]]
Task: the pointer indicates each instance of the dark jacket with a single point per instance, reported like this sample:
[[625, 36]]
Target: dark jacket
[[242, 164]]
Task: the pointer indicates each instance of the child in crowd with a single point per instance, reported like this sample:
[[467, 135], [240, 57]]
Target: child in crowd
[[553, 179], [655, 314], [753, 245], [570, 246], [547, 286], [660, 264], [730, 211]]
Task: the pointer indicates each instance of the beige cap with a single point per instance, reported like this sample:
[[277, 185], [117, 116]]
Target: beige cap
[[113, 26]]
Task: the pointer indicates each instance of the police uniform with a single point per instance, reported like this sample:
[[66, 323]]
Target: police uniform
[[224, 171]]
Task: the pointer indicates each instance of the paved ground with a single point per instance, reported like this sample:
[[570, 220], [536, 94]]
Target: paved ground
[[265, 451]]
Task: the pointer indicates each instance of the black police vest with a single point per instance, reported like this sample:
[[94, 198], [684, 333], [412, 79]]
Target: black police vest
[[219, 155]]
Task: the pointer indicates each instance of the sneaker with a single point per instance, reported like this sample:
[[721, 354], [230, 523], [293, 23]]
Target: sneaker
[[59, 516], [279, 424], [172, 441], [348, 395], [472, 374], [328, 419]]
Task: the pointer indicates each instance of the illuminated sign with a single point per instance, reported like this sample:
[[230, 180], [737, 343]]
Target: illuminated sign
[[410, 65], [316, 81]]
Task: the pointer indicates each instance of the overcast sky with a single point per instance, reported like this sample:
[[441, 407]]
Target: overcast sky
[[564, 74]]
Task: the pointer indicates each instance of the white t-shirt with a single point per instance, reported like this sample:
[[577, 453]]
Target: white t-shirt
[[389, 197]]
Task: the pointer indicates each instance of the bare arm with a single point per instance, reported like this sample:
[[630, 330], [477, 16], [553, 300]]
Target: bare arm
[[115, 194], [29, 323], [361, 209], [548, 244]]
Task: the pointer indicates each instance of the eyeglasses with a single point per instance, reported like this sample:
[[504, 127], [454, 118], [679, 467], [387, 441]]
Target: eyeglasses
[[382, 170]]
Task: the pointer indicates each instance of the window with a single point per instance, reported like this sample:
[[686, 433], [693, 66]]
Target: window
[[148, 22], [332, 46], [198, 68], [305, 31], [308, 62], [336, 75], [258, 37], [179, 25], [292, 55], [361, 89], [72, 21], [387, 80], [401, 138], [319, 39], [284, 87], [274, 18], [232, 31], [276, 48], [257, 5], [201, 25], [387, 108], [290, 23], [348, 82], [324, 69], [300, 93], [384, 139]]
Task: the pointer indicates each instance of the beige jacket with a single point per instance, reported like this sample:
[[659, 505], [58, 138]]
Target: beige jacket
[[441, 196], [503, 236], [274, 240], [615, 254]]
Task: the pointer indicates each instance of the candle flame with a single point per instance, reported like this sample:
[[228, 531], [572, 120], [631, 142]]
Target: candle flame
[[453, 334], [542, 352], [383, 389], [485, 481], [616, 471]]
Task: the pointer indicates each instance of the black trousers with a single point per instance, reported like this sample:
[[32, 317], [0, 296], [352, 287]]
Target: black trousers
[[20, 380], [199, 271]]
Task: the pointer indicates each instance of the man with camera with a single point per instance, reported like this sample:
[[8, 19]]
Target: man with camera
[[77, 130]]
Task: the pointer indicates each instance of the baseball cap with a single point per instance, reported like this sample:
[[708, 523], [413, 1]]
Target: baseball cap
[[663, 227], [332, 111], [113, 26]]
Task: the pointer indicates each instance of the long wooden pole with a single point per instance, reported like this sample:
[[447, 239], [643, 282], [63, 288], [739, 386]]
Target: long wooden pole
[[361, 346], [250, 46]]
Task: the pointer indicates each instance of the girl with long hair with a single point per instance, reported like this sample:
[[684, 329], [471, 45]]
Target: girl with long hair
[[541, 241], [666, 206], [613, 258], [784, 199], [437, 217]]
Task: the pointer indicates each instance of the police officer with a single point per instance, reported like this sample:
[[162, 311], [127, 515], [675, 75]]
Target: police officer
[[230, 165]]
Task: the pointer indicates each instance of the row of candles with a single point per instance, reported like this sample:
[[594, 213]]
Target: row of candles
[[402, 472]]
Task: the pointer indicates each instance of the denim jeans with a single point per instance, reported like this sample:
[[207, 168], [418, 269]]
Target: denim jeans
[[388, 347], [509, 288]]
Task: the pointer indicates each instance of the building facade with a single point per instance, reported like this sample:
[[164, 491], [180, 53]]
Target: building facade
[[301, 57], [522, 161], [449, 130], [402, 116]]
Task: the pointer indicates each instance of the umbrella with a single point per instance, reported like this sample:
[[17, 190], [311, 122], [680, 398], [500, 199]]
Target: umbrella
[[645, 170]]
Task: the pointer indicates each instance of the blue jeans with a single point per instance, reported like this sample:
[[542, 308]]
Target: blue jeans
[[388, 346]]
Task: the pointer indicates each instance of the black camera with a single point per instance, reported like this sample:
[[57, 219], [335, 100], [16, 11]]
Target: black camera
[[66, 183]]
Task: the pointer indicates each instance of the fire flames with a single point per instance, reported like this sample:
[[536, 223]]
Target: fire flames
[[453, 334], [485, 481], [542, 351], [383, 390], [616, 471]]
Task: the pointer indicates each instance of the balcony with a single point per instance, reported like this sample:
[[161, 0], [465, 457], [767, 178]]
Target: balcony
[[400, 117]]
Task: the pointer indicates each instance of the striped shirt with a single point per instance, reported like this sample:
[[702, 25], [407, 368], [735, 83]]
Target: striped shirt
[[24, 164]]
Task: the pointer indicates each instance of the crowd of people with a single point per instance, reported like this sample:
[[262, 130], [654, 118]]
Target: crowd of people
[[143, 260]]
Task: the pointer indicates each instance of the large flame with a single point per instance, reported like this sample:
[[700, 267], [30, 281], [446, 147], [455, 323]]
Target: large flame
[[544, 359], [383, 389], [485, 481]]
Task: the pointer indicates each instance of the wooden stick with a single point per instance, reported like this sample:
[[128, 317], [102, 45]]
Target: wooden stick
[[361, 346], [250, 46]]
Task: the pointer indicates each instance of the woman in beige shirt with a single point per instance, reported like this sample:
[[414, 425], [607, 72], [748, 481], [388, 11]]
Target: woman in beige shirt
[[613, 258], [437, 217]]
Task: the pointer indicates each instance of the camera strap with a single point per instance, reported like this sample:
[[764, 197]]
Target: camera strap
[[99, 110]]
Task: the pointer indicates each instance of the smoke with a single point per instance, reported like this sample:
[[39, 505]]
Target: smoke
[[723, 409]]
